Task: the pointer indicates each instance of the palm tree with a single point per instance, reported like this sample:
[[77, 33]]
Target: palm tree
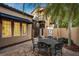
[[73, 11], [56, 11]]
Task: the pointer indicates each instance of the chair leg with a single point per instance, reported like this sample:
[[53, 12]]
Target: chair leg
[[50, 54], [55, 52], [61, 52], [33, 49], [38, 52], [49, 51]]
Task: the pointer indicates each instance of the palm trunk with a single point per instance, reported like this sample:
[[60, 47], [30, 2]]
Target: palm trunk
[[71, 15], [70, 29], [57, 27], [58, 18], [69, 32]]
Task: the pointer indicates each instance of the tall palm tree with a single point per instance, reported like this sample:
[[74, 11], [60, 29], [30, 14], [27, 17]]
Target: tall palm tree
[[56, 11], [73, 11]]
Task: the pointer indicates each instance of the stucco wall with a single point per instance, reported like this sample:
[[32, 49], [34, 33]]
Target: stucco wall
[[29, 31], [16, 39], [12, 40], [75, 35]]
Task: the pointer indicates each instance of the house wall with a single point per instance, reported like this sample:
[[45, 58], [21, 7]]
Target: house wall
[[14, 39], [4, 41], [29, 31], [10, 12]]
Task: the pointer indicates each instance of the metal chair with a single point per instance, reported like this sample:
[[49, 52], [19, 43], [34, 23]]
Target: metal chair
[[35, 44], [43, 47], [58, 49]]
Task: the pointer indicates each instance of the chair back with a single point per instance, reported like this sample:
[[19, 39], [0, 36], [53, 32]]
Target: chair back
[[58, 46], [43, 45], [35, 40]]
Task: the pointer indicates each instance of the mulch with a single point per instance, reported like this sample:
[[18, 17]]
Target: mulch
[[73, 47]]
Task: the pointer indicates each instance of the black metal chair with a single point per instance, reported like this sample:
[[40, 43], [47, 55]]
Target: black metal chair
[[58, 49], [43, 47], [35, 44], [65, 40]]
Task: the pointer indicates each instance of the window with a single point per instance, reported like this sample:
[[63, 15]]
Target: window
[[16, 29], [6, 28], [24, 30]]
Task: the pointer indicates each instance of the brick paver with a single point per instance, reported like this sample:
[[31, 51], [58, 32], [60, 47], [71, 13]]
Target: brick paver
[[18, 50], [25, 49]]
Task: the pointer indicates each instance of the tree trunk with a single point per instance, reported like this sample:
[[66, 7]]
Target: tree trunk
[[69, 32], [57, 23], [70, 28]]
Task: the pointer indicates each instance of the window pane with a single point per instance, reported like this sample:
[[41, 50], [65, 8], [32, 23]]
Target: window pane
[[24, 30], [6, 29], [16, 29]]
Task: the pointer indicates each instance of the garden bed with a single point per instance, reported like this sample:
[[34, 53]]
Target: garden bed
[[73, 47]]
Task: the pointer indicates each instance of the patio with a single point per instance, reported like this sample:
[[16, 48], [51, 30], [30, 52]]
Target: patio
[[25, 49], [41, 25]]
